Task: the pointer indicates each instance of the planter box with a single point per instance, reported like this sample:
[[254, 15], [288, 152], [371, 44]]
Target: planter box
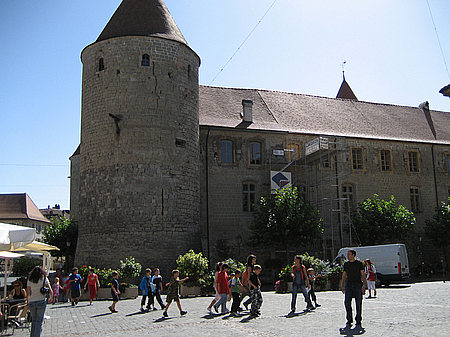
[[105, 294], [190, 291]]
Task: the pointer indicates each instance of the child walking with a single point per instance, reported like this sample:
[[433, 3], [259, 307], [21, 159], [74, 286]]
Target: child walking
[[312, 283], [93, 284], [146, 289], [235, 292], [157, 281], [173, 292], [114, 291], [217, 297], [56, 287], [371, 275], [255, 291], [223, 288]]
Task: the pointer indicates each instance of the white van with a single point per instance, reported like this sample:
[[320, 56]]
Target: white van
[[391, 261]]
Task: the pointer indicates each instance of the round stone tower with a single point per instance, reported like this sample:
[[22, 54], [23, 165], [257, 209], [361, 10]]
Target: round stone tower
[[139, 152]]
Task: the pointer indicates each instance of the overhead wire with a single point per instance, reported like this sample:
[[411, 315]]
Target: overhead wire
[[243, 42], [439, 41]]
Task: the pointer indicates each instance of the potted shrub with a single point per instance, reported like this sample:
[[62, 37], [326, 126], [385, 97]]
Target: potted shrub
[[192, 265], [129, 271], [285, 278]]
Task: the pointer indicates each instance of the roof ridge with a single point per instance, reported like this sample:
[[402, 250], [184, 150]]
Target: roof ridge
[[317, 96]]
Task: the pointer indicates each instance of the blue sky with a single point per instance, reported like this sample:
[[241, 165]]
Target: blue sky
[[391, 50]]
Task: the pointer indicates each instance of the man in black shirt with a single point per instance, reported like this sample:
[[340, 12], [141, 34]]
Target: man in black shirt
[[354, 285]]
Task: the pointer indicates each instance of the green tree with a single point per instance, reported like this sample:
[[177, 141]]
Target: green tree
[[63, 233], [284, 219], [438, 227], [377, 221]]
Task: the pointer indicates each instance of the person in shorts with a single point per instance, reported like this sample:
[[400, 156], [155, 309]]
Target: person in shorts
[[371, 274], [75, 289], [115, 292], [173, 292]]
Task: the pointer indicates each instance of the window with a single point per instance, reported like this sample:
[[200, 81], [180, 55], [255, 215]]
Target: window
[[226, 152], [447, 161], [101, 64], [255, 153], [145, 60], [248, 197], [413, 161], [347, 198], [326, 162], [385, 160], [292, 152], [357, 159], [414, 196]]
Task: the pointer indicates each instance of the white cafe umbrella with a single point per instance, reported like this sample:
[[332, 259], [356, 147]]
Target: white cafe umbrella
[[13, 237], [8, 256]]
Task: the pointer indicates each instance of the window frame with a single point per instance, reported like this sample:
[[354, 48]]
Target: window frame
[[391, 167], [221, 152], [101, 64], [447, 162], [352, 159], [408, 163], [247, 195], [291, 156], [351, 201], [250, 153], [417, 202], [145, 57]]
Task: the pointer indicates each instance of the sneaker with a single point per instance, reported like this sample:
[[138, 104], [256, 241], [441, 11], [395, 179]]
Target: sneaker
[[142, 310], [358, 326], [311, 308], [216, 309], [226, 311], [182, 313], [73, 304], [114, 311], [154, 308], [318, 305], [110, 309], [165, 314], [209, 310]]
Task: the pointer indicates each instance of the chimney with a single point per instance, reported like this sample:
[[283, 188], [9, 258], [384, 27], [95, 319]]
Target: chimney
[[246, 114]]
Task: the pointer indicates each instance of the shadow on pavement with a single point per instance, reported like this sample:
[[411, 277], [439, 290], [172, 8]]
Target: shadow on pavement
[[396, 286], [101, 315], [211, 316], [137, 313], [162, 319], [296, 314], [248, 319], [351, 332]]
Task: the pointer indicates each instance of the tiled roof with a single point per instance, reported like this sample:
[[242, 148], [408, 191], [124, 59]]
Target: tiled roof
[[142, 18], [306, 114], [19, 206]]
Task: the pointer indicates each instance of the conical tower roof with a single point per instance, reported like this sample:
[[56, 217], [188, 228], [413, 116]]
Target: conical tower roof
[[345, 91], [142, 18]]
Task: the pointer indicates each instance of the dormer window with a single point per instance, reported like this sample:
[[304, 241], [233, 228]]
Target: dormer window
[[145, 60], [101, 64]]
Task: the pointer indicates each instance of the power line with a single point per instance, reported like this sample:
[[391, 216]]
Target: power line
[[243, 42], [439, 41]]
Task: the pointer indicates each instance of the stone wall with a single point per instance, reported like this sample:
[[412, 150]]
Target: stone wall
[[139, 168]]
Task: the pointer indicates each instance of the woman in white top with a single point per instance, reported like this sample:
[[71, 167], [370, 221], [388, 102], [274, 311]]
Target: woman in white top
[[36, 300]]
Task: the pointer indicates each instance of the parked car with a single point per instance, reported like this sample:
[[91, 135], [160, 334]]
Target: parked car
[[391, 261]]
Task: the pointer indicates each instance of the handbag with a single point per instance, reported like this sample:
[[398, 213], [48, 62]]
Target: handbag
[[44, 290]]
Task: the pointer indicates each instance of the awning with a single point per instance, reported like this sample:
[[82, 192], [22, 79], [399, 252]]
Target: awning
[[36, 246], [13, 237]]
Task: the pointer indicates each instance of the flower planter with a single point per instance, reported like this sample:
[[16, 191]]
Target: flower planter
[[190, 291]]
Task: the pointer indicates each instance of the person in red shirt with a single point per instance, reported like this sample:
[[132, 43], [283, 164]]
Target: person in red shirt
[[223, 289], [93, 283]]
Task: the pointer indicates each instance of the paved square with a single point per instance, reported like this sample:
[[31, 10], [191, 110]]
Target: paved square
[[421, 309]]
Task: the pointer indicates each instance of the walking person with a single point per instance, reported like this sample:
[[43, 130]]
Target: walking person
[[75, 289], [312, 283], [223, 288], [146, 289], [115, 292], [235, 290], [300, 283], [371, 274], [217, 296], [37, 298], [56, 287], [93, 284], [255, 291], [251, 261], [157, 281], [173, 292], [354, 285]]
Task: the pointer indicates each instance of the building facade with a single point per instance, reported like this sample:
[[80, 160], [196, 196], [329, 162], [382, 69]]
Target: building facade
[[165, 165]]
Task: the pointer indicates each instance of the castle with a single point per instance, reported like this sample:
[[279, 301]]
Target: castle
[[166, 165]]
